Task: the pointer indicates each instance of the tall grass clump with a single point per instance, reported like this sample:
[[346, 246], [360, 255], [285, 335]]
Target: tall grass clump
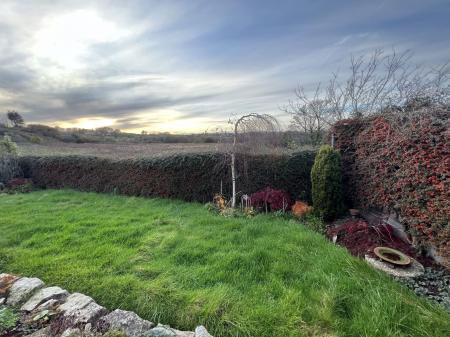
[[326, 180]]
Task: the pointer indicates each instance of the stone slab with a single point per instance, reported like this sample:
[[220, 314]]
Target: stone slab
[[43, 295], [89, 314], [201, 331], [6, 281], [44, 332], [73, 303], [127, 321], [23, 289], [167, 331]]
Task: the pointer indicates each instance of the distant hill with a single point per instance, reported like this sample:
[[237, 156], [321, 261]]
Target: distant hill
[[43, 134], [37, 133]]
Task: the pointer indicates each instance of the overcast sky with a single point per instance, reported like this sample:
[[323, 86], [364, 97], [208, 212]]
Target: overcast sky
[[183, 66]]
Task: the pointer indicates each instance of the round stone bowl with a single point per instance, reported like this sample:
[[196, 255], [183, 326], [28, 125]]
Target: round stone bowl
[[392, 256]]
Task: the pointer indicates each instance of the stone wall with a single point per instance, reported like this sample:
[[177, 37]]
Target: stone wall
[[50, 311]]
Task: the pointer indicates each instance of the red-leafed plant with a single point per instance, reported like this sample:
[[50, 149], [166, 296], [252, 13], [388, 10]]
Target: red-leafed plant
[[361, 239], [403, 168], [270, 199]]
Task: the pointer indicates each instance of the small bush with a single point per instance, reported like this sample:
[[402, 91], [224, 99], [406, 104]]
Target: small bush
[[9, 168], [35, 139], [300, 209], [313, 222], [270, 199], [9, 164], [19, 185], [8, 319], [7, 146], [326, 179]]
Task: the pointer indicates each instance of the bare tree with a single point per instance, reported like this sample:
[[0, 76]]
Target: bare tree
[[374, 84], [309, 115], [252, 134]]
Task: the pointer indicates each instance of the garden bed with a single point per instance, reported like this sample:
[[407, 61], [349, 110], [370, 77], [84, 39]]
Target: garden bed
[[360, 239]]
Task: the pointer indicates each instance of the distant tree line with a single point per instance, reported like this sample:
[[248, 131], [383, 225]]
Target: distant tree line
[[14, 121]]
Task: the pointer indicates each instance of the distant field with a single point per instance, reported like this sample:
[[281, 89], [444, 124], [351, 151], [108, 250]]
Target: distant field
[[125, 150], [118, 151]]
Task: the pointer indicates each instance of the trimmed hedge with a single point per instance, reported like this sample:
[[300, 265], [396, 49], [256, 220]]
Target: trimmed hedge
[[190, 177], [405, 170]]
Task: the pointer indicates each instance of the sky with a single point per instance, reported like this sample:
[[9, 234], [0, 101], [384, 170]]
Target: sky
[[189, 66]]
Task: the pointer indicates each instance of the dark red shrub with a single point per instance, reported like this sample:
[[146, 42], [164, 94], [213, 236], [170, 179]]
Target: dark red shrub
[[360, 239], [271, 199], [17, 182]]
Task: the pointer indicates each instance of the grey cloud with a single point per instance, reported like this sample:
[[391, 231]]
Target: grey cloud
[[260, 60], [15, 79]]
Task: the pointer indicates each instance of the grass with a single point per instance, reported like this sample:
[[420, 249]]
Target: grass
[[174, 262]]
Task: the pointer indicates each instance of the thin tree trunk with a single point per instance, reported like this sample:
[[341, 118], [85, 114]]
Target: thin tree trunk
[[233, 164], [233, 179]]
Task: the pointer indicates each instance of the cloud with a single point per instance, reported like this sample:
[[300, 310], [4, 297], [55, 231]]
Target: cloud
[[146, 64]]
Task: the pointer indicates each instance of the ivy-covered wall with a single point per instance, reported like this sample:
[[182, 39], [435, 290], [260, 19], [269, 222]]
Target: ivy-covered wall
[[402, 168]]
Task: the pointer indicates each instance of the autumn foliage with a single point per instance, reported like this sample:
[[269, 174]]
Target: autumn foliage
[[403, 168], [300, 209]]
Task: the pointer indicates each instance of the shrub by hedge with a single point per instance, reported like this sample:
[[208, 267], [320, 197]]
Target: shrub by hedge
[[327, 183], [403, 169], [270, 199], [9, 165], [190, 177], [9, 168]]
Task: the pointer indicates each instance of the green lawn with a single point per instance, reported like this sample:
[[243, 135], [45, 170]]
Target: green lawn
[[176, 263]]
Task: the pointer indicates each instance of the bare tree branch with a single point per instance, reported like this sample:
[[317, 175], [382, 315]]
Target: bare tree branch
[[374, 84]]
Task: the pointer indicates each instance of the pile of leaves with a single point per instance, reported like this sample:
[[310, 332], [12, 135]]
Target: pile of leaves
[[403, 168], [270, 199], [360, 239]]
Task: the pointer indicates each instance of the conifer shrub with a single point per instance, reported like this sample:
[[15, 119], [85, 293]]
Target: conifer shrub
[[326, 183]]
